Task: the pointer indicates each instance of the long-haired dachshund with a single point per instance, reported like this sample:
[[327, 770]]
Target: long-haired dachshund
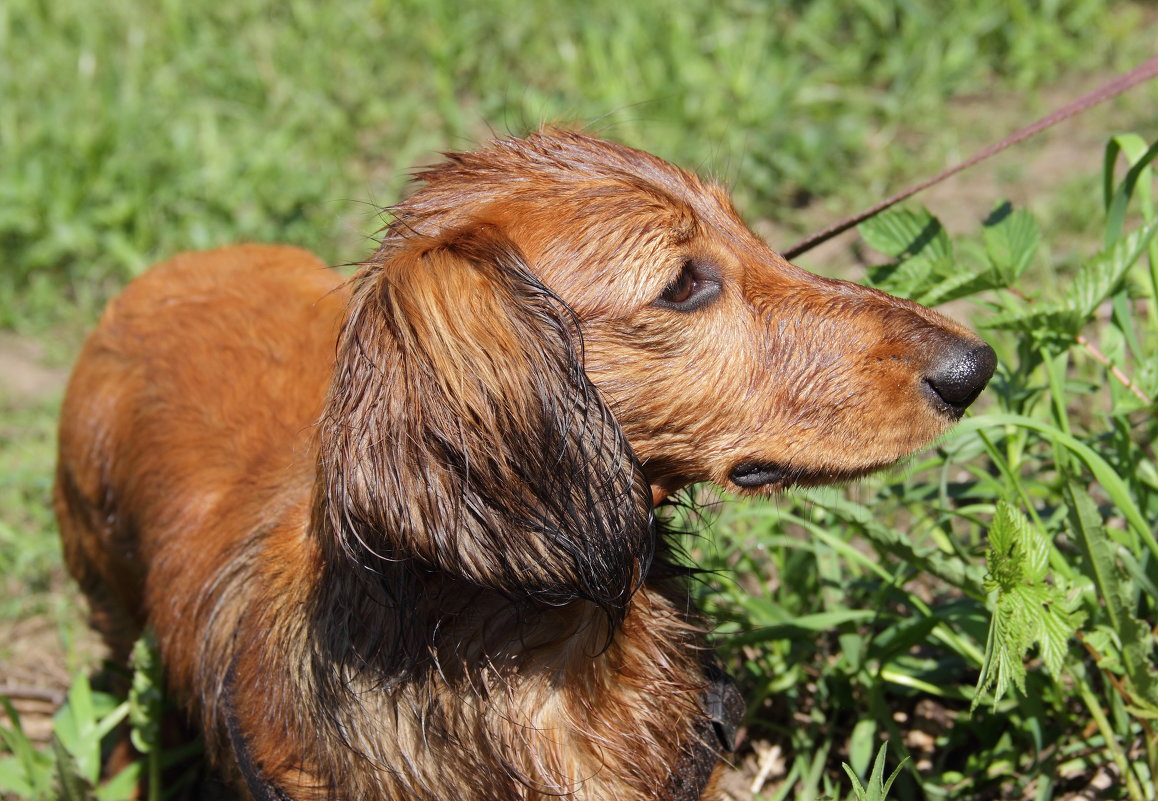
[[395, 535]]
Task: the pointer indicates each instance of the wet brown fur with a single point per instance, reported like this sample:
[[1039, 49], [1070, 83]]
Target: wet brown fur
[[423, 564]]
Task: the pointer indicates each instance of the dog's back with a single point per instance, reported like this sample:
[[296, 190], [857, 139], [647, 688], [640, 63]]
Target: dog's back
[[198, 391]]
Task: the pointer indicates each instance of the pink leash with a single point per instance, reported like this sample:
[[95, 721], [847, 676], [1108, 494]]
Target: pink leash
[[1113, 88]]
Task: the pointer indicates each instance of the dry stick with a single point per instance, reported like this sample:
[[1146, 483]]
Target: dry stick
[[1113, 368], [21, 693], [1113, 88]]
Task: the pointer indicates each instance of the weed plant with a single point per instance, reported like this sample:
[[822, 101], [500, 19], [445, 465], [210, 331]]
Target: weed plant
[[990, 612]]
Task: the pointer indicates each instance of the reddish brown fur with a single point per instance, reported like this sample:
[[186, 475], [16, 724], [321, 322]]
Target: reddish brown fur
[[451, 587]]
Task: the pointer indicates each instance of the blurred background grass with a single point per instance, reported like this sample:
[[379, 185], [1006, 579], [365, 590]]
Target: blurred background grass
[[130, 130], [135, 129]]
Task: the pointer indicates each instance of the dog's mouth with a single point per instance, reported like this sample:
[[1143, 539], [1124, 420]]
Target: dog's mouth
[[773, 476], [753, 475]]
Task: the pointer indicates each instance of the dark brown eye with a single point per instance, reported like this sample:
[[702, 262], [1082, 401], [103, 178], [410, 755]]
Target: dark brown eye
[[681, 289], [693, 288]]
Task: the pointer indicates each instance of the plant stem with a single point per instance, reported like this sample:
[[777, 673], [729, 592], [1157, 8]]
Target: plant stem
[[1115, 371], [1094, 705]]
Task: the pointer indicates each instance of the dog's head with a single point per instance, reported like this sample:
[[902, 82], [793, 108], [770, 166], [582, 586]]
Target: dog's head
[[558, 330]]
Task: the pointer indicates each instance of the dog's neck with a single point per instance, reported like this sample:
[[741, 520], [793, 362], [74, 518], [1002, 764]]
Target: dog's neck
[[413, 668], [401, 622]]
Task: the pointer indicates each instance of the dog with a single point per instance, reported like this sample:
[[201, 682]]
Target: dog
[[397, 536]]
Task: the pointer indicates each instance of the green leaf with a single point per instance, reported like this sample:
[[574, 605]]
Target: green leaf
[[878, 787], [72, 783], [800, 626], [1137, 643], [918, 242], [903, 234], [145, 695], [29, 767], [860, 743], [1090, 287], [1105, 642], [1027, 609], [1059, 621], [124, 786], [857, 788], [1097, 280], [1134, 146], [1111, 482], [1006, 568], [959, 285], [947, 567], [1011, 240], [12, 778], [1137, 176]]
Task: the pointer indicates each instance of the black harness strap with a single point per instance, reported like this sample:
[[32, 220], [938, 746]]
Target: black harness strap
[[259, 787], [715, 735]]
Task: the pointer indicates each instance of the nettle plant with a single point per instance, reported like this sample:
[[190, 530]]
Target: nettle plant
[[1006, 604], [1071, 546]]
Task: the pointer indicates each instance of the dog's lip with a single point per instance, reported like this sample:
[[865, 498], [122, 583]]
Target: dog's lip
[[753, 474], [772, 475]]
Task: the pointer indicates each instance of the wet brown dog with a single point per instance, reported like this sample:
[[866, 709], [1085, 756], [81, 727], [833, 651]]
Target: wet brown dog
[[395, 536]]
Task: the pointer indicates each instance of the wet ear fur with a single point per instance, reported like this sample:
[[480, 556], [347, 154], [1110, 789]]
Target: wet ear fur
[[462, 434]]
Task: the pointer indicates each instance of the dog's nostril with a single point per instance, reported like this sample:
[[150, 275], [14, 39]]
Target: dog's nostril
[[961, 374]]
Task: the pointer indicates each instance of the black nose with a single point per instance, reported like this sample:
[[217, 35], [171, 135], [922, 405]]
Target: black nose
[[959, 375]]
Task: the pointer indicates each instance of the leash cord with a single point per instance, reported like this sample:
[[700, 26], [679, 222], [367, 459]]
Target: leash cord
[[1113, 88]]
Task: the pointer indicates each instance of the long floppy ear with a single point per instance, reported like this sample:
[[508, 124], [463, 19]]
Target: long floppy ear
[[462, 434]]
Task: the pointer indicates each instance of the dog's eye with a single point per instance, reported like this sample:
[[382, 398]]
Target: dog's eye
[[695, 287]]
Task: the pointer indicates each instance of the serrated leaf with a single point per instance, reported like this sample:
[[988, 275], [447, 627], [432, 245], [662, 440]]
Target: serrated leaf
[[1099, 277], [1005, 558], [145, 695], [912, 278], [902, 234], [952, 287], [1045, 319], [1011, 241], [956, 286], [1027, 609], [72, 784], [919, 243], [1090, 287], [1058, 624]]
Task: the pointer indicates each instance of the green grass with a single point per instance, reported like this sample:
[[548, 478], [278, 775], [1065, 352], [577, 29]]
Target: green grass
[[135, 130], [148, 128], [29, 555]]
